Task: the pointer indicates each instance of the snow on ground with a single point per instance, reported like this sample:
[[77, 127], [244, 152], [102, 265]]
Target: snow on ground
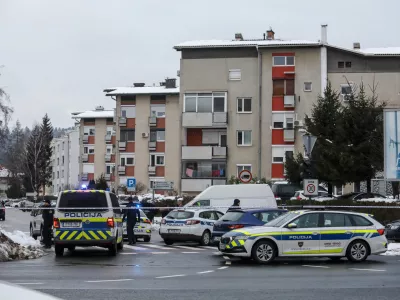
[[393, 250], [156, 223], [387, 200], [17, 245]]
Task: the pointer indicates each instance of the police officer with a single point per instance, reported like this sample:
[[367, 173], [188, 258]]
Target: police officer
[[236, 205], [132, 214], [47, 215]]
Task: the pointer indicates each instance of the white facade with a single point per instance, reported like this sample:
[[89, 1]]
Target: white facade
[[65, 161]]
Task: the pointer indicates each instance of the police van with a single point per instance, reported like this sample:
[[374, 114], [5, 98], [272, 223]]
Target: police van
[[87, 218]]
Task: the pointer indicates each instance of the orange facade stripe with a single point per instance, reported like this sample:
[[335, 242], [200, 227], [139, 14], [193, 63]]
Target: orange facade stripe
[[160, 147], [113, 158], [130, 170], [277, 103], [90, 176], [91, 139], [277, 170], [110, 122], [130, 147], [160, 171], [283, 54], [161, 123], [194, 137], [128, 102], [89, 123], [90, 158], [277, 138], [157, 101], [279, 72], [130, 123], [113, 139]]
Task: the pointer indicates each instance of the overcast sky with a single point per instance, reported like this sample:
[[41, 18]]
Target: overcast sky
[[58, 56]]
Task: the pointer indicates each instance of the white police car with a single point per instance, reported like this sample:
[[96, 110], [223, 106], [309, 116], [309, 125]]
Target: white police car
[[142, 229], [189, 225], [332, 234]]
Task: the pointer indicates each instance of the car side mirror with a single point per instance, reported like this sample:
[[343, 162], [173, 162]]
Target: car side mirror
[[292, 225]]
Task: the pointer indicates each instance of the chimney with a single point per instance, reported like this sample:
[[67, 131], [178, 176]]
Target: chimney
[[270, 34], [238, 37], [324, 34], [99, 108], [170, 83], [356, 46], [139, 84]]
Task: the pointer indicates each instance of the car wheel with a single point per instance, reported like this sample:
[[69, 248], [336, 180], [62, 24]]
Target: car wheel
[[357, 251], [120, 245], [113, 249], [147, 239], [31, 233], [264, 252], [168, 242], [59, 250], [71, 248], [205, 238]]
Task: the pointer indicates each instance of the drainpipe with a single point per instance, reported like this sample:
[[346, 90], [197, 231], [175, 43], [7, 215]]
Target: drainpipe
[[259, 111]]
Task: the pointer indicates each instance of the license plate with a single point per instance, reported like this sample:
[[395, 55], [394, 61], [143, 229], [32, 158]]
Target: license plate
[[138, 230], [222, 246], [71, 224], [174, 230], [217, 238]]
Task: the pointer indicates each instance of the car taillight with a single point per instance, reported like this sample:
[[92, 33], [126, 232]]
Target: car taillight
[[192, 222], [298, 198], [381, 231], [235, 226], [110, 222], [56, 223], [163, 221]]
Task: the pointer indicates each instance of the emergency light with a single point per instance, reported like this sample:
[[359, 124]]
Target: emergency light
[[84, 187]]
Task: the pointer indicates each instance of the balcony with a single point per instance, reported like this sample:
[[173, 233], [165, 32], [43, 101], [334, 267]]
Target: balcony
[[122, 146], [85, 157], [289, 101], [107, 177], [217, 119], [108, 138], [288, 135], [122, 121], [152, 146], [121, 170], [203, 152], [85, 139], [84, 176], [107, 157], [152, 170], [152, 121]]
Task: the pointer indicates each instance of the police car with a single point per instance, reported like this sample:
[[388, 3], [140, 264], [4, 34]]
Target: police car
[[332, 234], [142, 229], [87, 218], [189, 225]]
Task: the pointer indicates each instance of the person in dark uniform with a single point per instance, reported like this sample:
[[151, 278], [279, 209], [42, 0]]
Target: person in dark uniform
[[236, 205], [47, 215], [132, 215]]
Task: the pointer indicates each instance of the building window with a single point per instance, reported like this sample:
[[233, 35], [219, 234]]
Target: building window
[[63, 145], [58, 174], [58, 161], [348, 64], [346, 89], [240, 168], [160, 135], [340, 64], [122, 160], [203, 169], [278, 87], [109, 169], [109, 149], [279, 154], [244, 138], [235, 74], [110, 130], [157, 110], [283, 61], [128, 111], [92, 131], [62, 174], [130, 161], [282, 120], [127, 136], [244, 105], [157, 160], [338, 190], [307, 86], [91, 150], [205, 102], [63, 160]]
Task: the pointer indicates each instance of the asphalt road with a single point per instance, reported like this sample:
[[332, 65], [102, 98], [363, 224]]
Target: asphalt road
[[187, 271]]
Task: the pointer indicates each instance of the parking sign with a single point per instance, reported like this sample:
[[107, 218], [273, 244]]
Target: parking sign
[[131, 184], [310, 187]]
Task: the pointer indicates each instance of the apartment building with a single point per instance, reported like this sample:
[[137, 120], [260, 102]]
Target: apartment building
[[147, 133], [65, 164], [97, 142], [243, 100]]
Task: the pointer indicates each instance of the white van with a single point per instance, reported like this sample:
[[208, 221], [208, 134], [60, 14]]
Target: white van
[[222, 196]]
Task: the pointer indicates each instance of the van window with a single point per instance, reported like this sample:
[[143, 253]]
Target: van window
[[180, 215], [205, 215], [81, 200], [202, 203], [115, 204], [232, 216]]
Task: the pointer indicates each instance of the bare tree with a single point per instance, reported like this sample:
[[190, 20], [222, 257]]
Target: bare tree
[[5, 111]]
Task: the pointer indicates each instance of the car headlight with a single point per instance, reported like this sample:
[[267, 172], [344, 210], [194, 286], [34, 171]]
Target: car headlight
[[394, 227], [240, 237]]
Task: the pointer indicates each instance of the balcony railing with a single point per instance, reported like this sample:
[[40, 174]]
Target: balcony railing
[[288, 135], [152, 121], [152, 170], [84, 176], [107, 157], [107, 176], [85, 139], [108, 138], [289, 101], [122, 146], [204, 173], [152, 146], [122, 121], [85, 157], [121, 170], [216, 119], [203, 152]]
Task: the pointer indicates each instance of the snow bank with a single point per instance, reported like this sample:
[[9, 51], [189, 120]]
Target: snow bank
[[393, 250], [17, 245], [387, 200]]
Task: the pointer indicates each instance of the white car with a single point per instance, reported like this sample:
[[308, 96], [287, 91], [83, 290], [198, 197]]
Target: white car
[[333, 234], [189, 225], [322, 196]]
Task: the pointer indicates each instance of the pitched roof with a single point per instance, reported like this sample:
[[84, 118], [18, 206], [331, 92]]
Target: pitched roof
[[245, 43], [97, 114], [146, 90]]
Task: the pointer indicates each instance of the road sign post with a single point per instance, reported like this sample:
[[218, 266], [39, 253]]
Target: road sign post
[[163, 185], [310, 187], [131, 184]]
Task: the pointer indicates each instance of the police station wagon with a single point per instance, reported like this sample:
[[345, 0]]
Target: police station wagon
[[87, 218], [333, 234]]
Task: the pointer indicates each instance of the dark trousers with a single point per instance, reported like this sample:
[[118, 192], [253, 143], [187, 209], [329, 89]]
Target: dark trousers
[[130, 226], [47, 236]]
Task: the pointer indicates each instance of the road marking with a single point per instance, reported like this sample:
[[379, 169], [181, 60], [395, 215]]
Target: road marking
[[110, 280], [223, 268], [228, 262], [30, 283], [205, 272], [189, 252], [371, 270], [217, 253], [156, 246], [190, 248], [171, 276], [226, 257], [159, 252], [310, 266], [135, 247], [127, 253], [208, 247]]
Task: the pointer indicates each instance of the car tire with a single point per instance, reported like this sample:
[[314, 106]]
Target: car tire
[[59, 250], [113, 249], [147, 239], [357, 251], [205, 238], [31, 233], [168, 242], [264, 252], [71, 248], [120, 246]]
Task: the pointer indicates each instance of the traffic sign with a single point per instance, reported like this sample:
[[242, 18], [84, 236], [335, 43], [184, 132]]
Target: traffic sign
[[163, 185], [310, 187], [131, 184], [245, 176]]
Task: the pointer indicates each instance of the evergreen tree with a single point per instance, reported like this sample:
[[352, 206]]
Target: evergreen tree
[[14, 152], [293, 168], [45, 156], [101, 183]]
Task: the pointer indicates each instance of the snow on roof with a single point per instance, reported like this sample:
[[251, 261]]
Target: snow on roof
[[246, 43], [381, 51], [94, 114], [131, 90]]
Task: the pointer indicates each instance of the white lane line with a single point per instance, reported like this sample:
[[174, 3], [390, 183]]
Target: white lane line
[[228, 262], [156, 246], [28, 283], [127, 253], [135, 247], [189, 252], [223, 268], [322, 267], [371, 270], [226, 257], [190, 248], [208, 247], [205, 272], [159, 252], [110, 280], [217, 253], [170, 276]]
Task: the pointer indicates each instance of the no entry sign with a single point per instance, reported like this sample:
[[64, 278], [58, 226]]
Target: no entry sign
[[245, 176], [310, 187]]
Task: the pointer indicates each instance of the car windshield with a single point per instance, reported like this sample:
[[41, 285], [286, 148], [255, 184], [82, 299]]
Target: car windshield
[[180, 215], [232, 216], [282, 219], [81, 200]]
